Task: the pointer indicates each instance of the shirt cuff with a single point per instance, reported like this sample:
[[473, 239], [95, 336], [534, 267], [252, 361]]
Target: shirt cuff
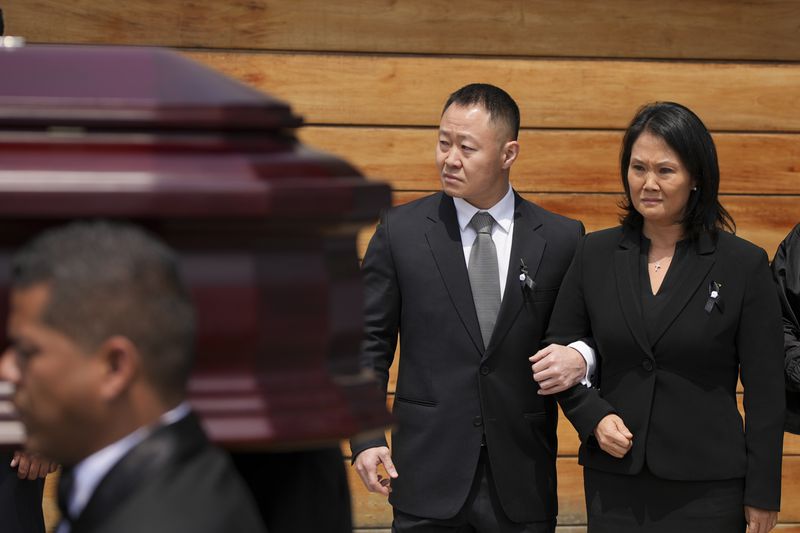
[[588, 355]]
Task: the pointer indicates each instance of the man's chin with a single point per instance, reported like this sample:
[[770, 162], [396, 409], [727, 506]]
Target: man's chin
[[452, 192]]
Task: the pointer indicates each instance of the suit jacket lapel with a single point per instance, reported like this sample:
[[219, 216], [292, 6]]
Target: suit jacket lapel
[[626, 269], [699, 260], [528, 245], [444, 239], [165, 448]]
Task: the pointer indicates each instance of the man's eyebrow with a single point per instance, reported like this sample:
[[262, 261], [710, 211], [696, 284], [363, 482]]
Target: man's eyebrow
[[457, 134]]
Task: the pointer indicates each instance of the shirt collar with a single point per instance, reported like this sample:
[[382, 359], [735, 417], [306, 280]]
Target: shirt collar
[[502, 211], [89, 472]]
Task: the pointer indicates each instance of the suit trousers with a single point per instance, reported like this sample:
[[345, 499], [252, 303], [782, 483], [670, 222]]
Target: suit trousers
[[481, 513]]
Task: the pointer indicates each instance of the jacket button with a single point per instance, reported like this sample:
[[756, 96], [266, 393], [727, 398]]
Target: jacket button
[[647, 364], [477, 421], [484, 370]]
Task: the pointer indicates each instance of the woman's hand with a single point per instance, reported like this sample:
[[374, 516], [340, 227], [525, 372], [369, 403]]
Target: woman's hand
[[759, 520], [614, 438]]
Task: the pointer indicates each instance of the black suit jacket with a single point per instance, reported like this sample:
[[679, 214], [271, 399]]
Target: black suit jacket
[[449, 389], [677, 392], [173, 481], [786, 271]]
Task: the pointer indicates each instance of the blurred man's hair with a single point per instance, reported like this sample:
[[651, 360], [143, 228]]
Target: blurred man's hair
[[109, 279]]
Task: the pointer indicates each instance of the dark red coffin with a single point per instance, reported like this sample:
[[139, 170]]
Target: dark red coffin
[[265, 226]]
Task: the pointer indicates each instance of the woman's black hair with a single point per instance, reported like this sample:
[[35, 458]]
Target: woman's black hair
[[685, 133]]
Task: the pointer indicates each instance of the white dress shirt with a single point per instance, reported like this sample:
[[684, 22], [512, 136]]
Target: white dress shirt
[[89, 472], [502, 235], [502, 232]]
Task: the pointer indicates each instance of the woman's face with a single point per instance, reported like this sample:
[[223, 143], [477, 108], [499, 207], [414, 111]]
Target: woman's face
[[658, 181]]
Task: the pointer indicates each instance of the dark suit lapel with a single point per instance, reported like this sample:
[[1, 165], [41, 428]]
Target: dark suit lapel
[[444, 239], [699, 260], [529, 246], [626, 269], [167, 447]]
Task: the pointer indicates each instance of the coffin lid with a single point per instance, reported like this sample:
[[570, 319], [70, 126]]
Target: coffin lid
[[140, 132]]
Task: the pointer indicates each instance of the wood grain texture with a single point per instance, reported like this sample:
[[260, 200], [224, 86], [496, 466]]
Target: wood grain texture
[[573, 109], [50, 502], [557, 161], [373, 511], [410, 91], [716, 29]]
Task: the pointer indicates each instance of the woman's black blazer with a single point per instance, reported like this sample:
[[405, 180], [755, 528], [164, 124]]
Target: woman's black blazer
[[677, 392]]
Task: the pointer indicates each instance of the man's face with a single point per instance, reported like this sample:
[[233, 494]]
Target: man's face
[[473, 155], [54, 380]]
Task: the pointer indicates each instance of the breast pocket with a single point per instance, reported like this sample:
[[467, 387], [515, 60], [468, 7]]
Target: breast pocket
[[545, 295], [415, 401], [543, 302]]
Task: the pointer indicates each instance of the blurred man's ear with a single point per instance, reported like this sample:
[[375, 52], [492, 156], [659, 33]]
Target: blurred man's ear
[[120, 365]]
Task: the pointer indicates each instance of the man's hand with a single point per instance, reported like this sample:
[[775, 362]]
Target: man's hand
[[32, 466], [367, 467], [614, 438], [759, 520], [557, 368]]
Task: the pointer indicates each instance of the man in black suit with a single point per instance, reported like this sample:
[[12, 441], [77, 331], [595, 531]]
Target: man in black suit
[[474, 448], [101, 333]]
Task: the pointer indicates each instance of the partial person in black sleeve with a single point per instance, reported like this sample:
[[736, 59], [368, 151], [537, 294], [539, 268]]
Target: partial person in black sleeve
[[786, 271]]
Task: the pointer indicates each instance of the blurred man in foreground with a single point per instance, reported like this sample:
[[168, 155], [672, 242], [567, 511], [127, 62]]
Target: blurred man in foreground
[[100, 347]]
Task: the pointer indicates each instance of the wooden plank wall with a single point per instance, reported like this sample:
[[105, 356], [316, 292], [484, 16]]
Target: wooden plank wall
[[370, 76]]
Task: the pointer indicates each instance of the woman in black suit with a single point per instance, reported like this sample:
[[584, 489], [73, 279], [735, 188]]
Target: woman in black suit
[[786, 270], [679, 308]]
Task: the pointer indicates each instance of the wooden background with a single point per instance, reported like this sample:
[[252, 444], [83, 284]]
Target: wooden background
[[370, 77]]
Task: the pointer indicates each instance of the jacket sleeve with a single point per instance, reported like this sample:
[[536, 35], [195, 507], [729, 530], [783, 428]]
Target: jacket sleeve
[[570, 322], [381, 317], [786, 273], [760, 350]]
